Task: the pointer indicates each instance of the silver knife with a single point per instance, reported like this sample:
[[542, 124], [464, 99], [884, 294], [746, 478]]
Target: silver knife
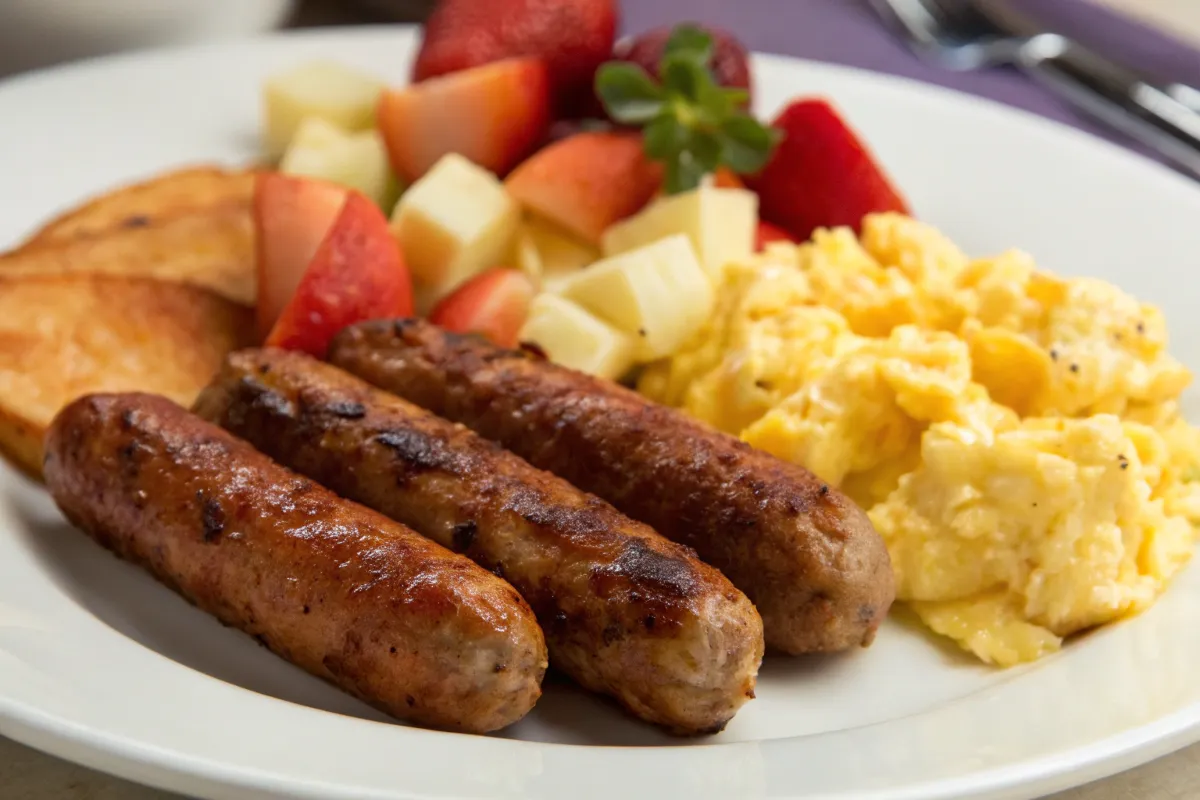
[[1166, 114]]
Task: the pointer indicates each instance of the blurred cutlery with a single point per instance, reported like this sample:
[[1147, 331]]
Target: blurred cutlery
[[957, 34]]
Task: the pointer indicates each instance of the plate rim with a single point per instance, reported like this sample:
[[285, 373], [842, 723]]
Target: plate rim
[[127, 758]]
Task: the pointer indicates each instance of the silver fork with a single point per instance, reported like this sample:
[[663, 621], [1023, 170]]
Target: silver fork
[[957, 35]]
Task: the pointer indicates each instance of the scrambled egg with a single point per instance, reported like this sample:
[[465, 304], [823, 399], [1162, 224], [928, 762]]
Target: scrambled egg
[[1015, 436]]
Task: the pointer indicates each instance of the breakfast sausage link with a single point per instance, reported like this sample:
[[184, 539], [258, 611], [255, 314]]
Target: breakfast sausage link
[[339, 590], [808, 557], [625, 611]]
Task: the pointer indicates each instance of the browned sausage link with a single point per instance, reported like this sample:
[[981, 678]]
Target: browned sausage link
[[805, 554], [625, 611], [343, 592]]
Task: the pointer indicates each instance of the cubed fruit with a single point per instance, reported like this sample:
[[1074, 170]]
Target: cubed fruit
[[524, 256], [292, 216], [561, 255], [573, 37], [587, 182], [822, 174], [494, 304], [334, 92], [358, 274], [658, 293], [452, 224], [494, 115], [720, 223], [359, 161], [577, 339]]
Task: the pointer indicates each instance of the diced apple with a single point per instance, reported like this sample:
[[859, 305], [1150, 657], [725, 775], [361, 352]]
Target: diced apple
[[453, 224], [291, 218], [561, 254], [577, 339], [494, 303], [358, 274], [720, 223], [359, 161], [495, 115], [334, 92], [586, 182], [658, 293]]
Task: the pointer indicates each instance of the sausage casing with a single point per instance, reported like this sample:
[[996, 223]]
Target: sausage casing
[[343, 592], [625, 611], [807, 556]]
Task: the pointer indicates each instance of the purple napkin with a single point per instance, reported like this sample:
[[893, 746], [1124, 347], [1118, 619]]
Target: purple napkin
[[848, 32]]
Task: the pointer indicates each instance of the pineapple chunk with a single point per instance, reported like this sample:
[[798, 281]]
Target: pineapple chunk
[[334, 92], [658, 293], [719, 222], [525, 256], [453, 223], [572, 337], [561, 253], [320, 149]]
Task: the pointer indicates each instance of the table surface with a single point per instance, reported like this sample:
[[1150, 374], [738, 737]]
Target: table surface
[[29, 775]]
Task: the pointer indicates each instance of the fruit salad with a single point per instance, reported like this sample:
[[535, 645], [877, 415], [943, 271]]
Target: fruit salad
[[538, 182]]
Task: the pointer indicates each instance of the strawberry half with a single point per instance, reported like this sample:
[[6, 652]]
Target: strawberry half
[[357, 274], [494, 303], [494, 115], [768, 233], [822, 174], [587, 182], [291, 218], [572, 37]]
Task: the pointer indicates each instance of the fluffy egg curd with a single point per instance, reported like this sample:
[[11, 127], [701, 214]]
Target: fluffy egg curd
[[1015, 436]]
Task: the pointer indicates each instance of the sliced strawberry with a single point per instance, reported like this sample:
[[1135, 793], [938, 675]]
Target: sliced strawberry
[[494, 303], [291, 218], [822, 174], [357, 274], [730, 62], [493, 115], [573, 38], [587, 182], [768, 233]]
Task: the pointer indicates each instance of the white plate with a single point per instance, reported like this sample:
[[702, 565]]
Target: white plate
[[101, 665]]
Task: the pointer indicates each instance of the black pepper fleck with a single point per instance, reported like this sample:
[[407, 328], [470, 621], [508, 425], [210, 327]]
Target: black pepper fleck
[[641, 332], [1053, 354], [136, 221], [212, 517], [761, 384], [824, 489], [307, 609], [392, 650], [1141, 327], [1074, 368]]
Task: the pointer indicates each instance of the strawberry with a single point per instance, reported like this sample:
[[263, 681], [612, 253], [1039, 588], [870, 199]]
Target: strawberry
[[494, 303], [291, 218], [767, 234], [357, 274], [573, 37], [494, 115], [730, 62], [822, 174], [587, 182]]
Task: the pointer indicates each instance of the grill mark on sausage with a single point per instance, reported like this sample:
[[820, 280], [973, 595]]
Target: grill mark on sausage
[[212, 518], [418, 452], [464, 535]]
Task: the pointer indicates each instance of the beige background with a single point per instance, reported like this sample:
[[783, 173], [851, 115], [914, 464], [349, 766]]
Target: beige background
[[28, 775]]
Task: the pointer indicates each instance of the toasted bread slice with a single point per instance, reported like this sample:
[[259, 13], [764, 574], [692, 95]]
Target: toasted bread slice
[[65, 336], [177, 193], [213, 249]]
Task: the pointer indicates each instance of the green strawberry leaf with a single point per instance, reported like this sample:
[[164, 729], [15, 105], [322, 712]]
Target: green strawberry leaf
[[692, 42], [690, 123], [747, 144], [629, 93]]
